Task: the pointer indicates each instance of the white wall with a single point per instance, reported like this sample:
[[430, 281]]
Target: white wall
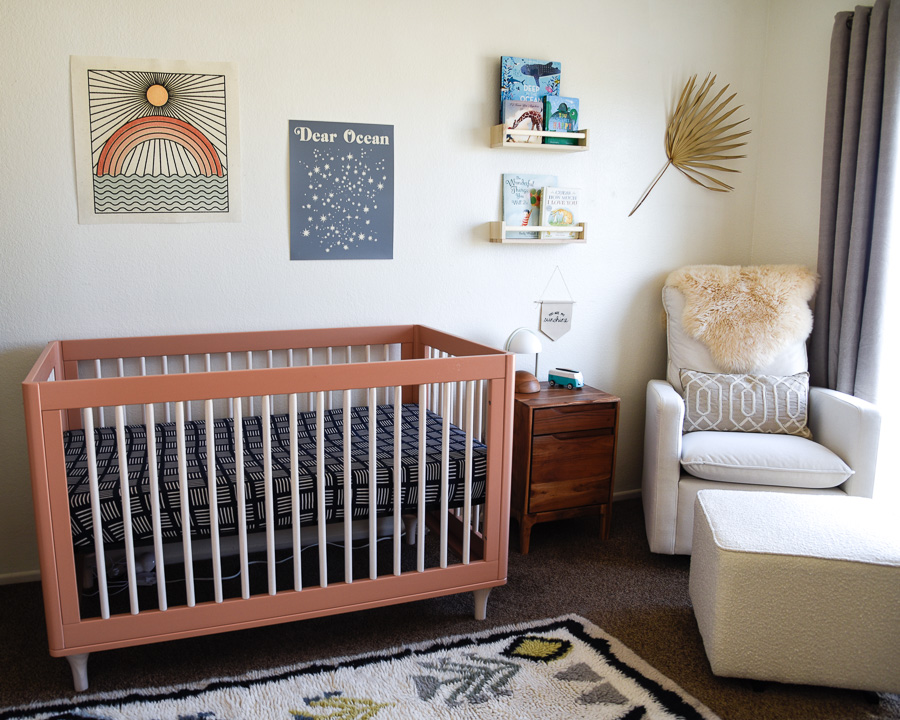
[[432, 71]]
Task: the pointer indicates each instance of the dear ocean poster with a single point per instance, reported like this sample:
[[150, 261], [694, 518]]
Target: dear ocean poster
[[156, 141], [342, 191]]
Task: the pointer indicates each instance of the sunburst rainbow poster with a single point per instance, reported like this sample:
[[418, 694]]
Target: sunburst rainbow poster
[[155, 141]]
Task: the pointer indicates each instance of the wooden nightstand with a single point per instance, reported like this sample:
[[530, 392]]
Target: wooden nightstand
[[564, 456]]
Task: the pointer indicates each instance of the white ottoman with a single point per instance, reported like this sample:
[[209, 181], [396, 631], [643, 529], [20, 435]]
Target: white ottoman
[[798, 588]]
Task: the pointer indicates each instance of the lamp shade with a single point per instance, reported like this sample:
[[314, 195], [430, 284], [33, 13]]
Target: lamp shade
[[523, 341]]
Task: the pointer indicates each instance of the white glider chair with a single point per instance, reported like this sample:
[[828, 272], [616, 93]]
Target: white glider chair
[[745, 424]]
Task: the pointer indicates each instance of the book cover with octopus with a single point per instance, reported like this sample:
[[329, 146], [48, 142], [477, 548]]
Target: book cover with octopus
[[523, 115], [522, 202], [525, 79], [560, 208]]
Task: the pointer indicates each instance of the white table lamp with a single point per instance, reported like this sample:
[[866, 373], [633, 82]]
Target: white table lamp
[[524, 342]]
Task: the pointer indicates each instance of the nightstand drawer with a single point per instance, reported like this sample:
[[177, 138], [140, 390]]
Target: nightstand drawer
[[567, 418], [571, 470]]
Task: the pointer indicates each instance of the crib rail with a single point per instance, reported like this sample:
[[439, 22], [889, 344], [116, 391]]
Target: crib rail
[[466, 384]]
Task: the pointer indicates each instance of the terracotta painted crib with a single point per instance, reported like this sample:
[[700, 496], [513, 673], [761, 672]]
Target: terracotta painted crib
[[347, 469]]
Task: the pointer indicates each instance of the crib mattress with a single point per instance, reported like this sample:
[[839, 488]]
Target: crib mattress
[[195, 443]]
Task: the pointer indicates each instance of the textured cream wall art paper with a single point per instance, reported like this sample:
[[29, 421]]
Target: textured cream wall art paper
[[156, 141]]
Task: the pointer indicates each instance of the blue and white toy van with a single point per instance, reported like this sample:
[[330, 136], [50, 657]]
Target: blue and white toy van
[[566, 378]]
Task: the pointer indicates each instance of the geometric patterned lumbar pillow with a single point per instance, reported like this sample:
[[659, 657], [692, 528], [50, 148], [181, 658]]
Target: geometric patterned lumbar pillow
[[745, 403]]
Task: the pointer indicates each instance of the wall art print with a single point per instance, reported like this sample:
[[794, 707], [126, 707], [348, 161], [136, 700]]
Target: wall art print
[[156, 141], [342, 190]]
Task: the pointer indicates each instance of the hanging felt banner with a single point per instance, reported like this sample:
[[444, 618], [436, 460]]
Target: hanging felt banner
[[556, 318]]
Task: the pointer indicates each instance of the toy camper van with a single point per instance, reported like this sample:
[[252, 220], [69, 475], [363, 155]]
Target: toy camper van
[[565, 378]]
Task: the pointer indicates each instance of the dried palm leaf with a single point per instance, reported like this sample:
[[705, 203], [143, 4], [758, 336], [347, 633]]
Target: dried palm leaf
[[697, 137]]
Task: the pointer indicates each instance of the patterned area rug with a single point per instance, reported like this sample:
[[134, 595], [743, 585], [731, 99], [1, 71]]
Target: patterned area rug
[[561, 668]]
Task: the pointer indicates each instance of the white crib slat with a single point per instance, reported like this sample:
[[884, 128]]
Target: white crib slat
[[373, 487], [187, 368], [269, 492], [386, 356], [230, 400], [467, 496], [143, 366], [120, 363], [295, 488], [424, 391], [241, 495], [347, 422], [329, 358], [250, 367], [125, 498], [185, 504], [398, 447], [98, 374], [445, 467], [309, 363], [165, 371], [212, 491], [87, 419], [320, 487], [153, 471]]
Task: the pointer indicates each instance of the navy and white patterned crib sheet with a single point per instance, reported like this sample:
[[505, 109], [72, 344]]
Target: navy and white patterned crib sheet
[[195, 443]]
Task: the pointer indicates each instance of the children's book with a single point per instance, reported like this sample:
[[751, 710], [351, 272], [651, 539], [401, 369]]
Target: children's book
[[523, 115], [522, 202], [560, 208], [524, 79], [560, 115]]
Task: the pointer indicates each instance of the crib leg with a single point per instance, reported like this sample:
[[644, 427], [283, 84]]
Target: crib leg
[[78, 663], [410, 523], [481, 597]]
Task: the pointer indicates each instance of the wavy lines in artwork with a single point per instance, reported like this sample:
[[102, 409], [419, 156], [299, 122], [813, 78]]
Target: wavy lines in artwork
[[160, 194], [119, 97]]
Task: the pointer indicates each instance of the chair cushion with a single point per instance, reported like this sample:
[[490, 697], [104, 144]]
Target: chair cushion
[[746, 403], [761, 459], [686, 353]]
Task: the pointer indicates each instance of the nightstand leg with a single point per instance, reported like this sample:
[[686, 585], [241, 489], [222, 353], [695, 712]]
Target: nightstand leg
[[525, 525], [605, 521]]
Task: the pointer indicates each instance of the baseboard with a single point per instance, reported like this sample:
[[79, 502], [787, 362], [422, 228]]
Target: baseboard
[[20, 577], [626, 495]]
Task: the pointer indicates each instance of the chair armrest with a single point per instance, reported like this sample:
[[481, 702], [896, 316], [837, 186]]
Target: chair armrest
[[849, 427], [663, 427]]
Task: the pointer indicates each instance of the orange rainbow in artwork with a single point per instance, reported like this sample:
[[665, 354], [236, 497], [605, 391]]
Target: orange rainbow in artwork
[[158, 127]]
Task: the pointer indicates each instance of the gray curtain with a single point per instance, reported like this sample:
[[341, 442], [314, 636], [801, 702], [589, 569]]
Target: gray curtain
[[859, 181]]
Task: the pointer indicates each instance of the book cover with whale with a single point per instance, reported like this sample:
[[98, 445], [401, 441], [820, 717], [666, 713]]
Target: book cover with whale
[[526, 79], [522, 202]]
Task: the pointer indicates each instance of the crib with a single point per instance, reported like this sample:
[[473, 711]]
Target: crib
[[268, 477]]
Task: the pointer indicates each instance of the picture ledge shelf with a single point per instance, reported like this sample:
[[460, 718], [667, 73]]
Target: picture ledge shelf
[[499, 133], [499, 234]]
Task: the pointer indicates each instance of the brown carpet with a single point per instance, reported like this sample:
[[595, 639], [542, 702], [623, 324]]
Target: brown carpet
[[640, 598]]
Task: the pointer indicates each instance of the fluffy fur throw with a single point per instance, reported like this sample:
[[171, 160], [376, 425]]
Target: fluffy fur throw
[[746, 315]]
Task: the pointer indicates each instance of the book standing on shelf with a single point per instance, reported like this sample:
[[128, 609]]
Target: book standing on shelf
[[525, 79], [522, 202], [523, 115], [560, 208], [560, 115]]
